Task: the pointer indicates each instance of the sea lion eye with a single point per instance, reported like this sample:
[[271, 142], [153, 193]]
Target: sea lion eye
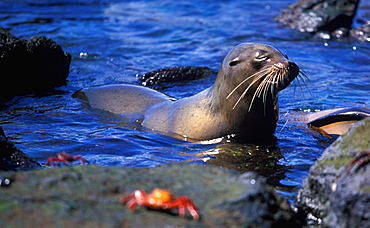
[[234, 62], [261, 56]]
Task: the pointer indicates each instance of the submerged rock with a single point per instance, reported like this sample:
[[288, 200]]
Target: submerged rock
[[88, 196], [11, 158], [326, 18], [333, 191], [175, 74], [32, 66]]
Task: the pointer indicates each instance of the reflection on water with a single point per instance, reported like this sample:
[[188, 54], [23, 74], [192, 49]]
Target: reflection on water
[[263, 160], [243, 158]]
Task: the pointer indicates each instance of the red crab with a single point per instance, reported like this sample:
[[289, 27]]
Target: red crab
[[361, 159], [65, 158], [160, 199]]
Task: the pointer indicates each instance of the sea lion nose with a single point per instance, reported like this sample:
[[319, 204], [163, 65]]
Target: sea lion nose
[[293, 71]]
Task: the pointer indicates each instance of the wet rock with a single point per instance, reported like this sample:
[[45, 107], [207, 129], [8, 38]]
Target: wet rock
[[326, 18], [333, 193], [88, 196], [32, 66], [362, 33], [350, 200], [175, 74], [11, 158]]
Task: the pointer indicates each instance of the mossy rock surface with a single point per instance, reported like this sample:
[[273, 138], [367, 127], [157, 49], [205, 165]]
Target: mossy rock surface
[[333, 190], [87, 196]]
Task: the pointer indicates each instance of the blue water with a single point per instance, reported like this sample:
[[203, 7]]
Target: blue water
[[113, 41]]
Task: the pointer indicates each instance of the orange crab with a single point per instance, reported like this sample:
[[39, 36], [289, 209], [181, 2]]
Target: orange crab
[[160, 199], [65, 158]]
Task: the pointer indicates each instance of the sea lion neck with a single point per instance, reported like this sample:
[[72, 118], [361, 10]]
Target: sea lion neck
[[249, 113]]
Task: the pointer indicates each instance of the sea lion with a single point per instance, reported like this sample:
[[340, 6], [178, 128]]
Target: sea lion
[[242, 101]]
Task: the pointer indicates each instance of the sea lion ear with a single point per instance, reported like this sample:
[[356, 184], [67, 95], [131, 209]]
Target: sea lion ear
[[234, 62]]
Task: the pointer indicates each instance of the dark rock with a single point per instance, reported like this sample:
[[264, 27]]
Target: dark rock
[[33, 66], [259, 206], [329, 191], [175, 74], [11, 158], [331, 17], [88, 196]]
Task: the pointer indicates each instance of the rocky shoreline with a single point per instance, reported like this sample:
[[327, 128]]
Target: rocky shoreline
[[13, 159], [32, 66], [326, 19], [88, 196], [337, 186], [335, 192]]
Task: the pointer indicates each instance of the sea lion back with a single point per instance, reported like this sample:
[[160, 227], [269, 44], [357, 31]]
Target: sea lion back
[[121, 98]]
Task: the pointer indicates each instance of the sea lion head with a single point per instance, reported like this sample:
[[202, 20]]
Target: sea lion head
[[255, 71], [247, 86]]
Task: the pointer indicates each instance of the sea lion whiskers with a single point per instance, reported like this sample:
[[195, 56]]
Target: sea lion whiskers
[[242, 82], [246, 90], [270, 81], [277, 73], [301, 82], [263, 87], [261, 72], [302, 76]]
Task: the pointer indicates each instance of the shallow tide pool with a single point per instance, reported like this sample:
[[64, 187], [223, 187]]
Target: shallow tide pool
[[114, 41]]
